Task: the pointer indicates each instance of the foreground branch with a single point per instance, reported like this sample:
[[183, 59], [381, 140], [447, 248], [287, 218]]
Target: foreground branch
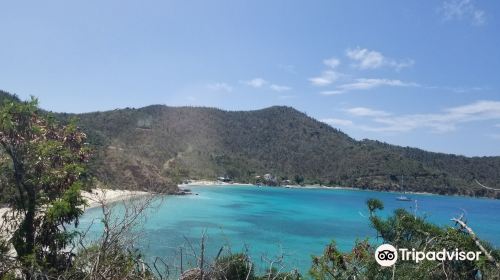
[[488, 188], [463, 225]]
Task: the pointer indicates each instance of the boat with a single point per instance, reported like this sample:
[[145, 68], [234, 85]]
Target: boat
[[403, 197]]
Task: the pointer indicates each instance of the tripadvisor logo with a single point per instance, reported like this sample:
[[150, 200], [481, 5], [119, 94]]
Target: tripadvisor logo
[[387, 255]]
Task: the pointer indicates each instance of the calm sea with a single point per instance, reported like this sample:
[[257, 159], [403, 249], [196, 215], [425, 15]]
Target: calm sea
[[281, 224]]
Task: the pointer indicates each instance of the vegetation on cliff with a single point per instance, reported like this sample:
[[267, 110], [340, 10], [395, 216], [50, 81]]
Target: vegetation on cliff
[[157, 147], [165, 145]]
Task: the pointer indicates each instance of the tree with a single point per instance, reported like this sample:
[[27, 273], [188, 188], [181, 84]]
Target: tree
[[234, 266], [405, 230], [46, 167], [373, 205], [334, 264], [299, 179]]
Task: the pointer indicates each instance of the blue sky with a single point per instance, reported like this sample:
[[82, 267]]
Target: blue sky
[[412, 73]]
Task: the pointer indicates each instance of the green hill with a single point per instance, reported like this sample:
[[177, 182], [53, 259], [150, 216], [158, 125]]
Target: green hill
[[167, 144], [157, 146]]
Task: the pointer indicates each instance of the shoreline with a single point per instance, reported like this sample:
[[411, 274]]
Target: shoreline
[[94, 197], [208, 183], [211, 183], [109, 196]]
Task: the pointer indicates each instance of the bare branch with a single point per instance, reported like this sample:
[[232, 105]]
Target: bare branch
[[488, 188], [463, 225]]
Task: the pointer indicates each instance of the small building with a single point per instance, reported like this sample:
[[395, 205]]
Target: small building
[[224, 179]]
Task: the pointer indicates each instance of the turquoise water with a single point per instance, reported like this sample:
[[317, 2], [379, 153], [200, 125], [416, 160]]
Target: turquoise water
[[296, 223]]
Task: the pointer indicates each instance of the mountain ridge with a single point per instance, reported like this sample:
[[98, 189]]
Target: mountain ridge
[[209, 142], [157, 146]]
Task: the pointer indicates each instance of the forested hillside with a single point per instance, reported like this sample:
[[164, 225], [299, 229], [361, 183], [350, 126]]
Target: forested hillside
[[158, 146], [170, 144]]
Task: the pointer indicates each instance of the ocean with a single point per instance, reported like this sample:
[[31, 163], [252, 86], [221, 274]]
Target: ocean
[[283, 225]]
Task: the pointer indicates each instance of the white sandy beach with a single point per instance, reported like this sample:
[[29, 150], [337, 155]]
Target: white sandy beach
[[94, 197], [210, 183], [219, 183]]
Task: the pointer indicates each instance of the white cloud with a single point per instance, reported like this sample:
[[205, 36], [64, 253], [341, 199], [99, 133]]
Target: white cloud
[[456, 89], [366, 112], [279, 88], [341, 122], [479, 17], [366, 84], [256, 83], [480, 110], [398, 65], [447, 120], [220, 87], [463, 10], [407, 123], [260, 83], [331, 62], [326, 78], [369, 59], [331, 92]]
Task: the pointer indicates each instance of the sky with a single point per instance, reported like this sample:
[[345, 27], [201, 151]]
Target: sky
[[414, 73]]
